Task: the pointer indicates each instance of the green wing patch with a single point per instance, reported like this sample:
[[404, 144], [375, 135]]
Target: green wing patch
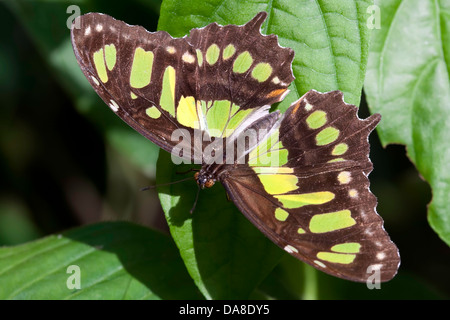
[[316, 208]]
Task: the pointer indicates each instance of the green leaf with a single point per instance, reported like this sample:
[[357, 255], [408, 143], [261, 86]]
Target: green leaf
[[224, 253], [290, 280], [408, 83], [330, 38], [117, 260]]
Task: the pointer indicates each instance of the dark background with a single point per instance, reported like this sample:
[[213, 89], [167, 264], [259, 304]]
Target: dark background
[[59, 169]]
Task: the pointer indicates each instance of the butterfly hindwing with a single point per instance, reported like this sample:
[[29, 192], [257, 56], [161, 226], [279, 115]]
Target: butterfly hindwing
[[316, 203], [317, 130]]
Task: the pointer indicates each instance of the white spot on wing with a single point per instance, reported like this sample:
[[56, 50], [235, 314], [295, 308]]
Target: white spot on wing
[[95, 80], [87, 31], [353, 193], [319, 263], [290, 249], [344, 177], [381, 255], [99, 27], [187, 57], [114, 106], [308, 106]]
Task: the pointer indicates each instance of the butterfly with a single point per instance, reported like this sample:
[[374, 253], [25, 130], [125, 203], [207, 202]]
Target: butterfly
[[300, 177]]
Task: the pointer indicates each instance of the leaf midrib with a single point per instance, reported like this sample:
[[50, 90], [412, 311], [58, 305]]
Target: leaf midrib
[[383, 50], [330, 44]]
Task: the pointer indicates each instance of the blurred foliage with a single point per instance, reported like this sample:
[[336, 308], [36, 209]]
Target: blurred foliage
[[66, 160], [408, 81], [60, 148]]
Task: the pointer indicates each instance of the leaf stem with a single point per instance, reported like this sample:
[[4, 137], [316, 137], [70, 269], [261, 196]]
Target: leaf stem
[[310, 283]]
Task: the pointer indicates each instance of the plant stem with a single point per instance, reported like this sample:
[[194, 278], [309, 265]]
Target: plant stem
[[310, 283]]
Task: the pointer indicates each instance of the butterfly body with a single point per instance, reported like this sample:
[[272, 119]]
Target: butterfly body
[[300, 177], [205, 179]]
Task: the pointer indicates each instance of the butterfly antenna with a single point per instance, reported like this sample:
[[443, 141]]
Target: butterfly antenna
[[195, 202], [165, 184]]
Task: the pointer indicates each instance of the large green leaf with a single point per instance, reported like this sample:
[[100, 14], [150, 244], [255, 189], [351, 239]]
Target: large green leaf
[[408, 83], [225, 255], [330, 38], [116, 260]]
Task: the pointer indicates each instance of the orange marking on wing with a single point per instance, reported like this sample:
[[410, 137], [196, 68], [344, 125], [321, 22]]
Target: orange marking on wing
[[296, 107], [275, 93]]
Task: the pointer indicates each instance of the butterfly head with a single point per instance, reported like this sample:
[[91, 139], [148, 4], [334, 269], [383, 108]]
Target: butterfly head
[[204, 179]]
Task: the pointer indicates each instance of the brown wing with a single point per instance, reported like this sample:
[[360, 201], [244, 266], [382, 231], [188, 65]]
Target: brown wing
[[251, 69], [217, 78], [110, 54], [316, 204]]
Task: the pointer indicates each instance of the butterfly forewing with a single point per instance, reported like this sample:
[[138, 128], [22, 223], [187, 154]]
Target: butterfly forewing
[[212, 81], [126, 67]]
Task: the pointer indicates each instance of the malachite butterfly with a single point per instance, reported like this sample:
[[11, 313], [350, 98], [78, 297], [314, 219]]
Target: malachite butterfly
[[299, 177]]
